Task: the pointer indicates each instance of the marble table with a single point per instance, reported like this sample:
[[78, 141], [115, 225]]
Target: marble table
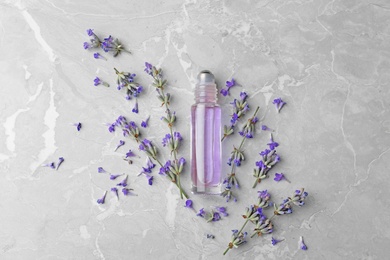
[[329, 60]]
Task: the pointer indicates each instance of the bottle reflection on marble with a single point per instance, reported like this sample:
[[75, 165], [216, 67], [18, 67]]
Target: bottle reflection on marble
[[206, 137]]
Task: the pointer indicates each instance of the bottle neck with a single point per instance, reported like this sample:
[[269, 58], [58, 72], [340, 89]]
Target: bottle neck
[[206, 93]]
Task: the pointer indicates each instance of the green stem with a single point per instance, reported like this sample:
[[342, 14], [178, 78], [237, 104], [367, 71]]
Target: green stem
[[238, 233], [255, 184]]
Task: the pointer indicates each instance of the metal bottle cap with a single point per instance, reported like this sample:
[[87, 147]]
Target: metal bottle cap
[[206, 77]]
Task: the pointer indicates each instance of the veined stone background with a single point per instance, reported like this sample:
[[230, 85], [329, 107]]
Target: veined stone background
[[329, 60]]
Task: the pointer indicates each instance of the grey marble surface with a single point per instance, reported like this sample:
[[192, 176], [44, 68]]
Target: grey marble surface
[[329, 60]]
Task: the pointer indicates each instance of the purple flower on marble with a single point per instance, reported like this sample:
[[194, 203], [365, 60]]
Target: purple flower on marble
[[279, 176], [275, 241], [101, 170], [97, 81], [126, 191], [135, 108], [115, 190], [302, 244], [121, 143], [90, 32], [150, 179], [60, 161], [123, 183], [130, 154], [51, 165], [148, 68], [188, 204], [272, 144], [279, 103], [144, 124], [86, 45], [201, 213], [102, 199], [78, 126], [97, 55], [229, 85], [222, 210], [114, 176]]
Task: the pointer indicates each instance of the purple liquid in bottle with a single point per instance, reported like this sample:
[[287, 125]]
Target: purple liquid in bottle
[[206, 137]]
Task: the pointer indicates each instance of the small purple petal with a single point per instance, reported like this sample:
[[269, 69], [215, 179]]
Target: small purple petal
[[188, 204]]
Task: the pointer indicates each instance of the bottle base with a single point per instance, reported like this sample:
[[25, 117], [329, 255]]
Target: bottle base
[[212, 190]]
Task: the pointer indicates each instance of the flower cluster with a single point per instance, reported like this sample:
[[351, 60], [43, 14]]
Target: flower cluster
[[229, 85], [263, 225], [123, 183], [214, 214], [126, 80], [269, 159], [240, 108], [254, 214], [237, 156], [53, 165], [109, 44], [128, 128]]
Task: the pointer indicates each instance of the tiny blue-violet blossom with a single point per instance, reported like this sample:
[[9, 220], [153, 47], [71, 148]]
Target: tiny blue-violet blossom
[[148, 68], [114, 176], [279, 103], [275, 241], [222, 210], [51, 165], [97, 81], [123, 183], [60, 161], [78, 126], [121, 143], [126, 191], [135, 109], [101, 170], [188, 204], [144, 124], [302, 244], [229, 84], [201, 213], [130, 154], [102, 199], [97, 55], [150, 179], [272, 144], [115, 190]]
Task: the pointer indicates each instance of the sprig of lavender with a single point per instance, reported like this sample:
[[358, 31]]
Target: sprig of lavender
[[240, 107], [109, 44], [127, 81], [237, 156], [173, 168], [263, 225], [128, 128]]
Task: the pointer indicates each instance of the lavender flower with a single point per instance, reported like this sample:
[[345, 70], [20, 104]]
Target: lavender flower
[[102, 199], [97, 81], [265, 128], [302, 244], [97, 55], [123, 183], [148, 148], [144, 124], [126, 191], [275, 241], [94, 41], [249, 128], [263, 226], [222, 210], [280, 176], [150, 179], [228, 194], [101, 170], [148, 68], [127, 80], [238, 239], [60, 161], [272, 145], [78, 126], [121, 143], [283, 208], [135, 108], [279, 103], [188, 204], [51, 165], [299, 197], [114, 176], [229, 85], [240, 107], [113, 45], [128, 128], [201, 213], [115, 190]]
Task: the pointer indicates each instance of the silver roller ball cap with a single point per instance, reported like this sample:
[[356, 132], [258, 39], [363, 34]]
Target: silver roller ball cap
[[206, 77]]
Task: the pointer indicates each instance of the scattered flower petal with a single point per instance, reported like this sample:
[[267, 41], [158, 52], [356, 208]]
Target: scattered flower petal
[[60, 161], [102, 199], [302, 244], [188, 204]]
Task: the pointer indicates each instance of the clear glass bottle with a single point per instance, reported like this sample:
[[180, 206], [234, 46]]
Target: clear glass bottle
[[206, 137]]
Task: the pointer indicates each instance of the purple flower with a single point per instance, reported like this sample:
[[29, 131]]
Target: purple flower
[[222, 210], [264, 194], [90, 32], [115, 190], [166, 140], [111, 128], [97, 55], [279, 177], [123, 183], [101, 170], [102, 199], [150, 179], [234, 119], [299, 197], [135, 109], [78, 126], [188, 204], [130, 154], [216, 216], [265, 128], [60, 161], [126, 191], [272, 145], [279, 103], [243, 95], [51, 165], [97, 81], [231, 83], [114, 176], [302, 244], [275, 241], [165, 168], [201, 213], [182, 161], [224, 92], [86, 45], [121, 143], [148, 68], [144, 124]]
